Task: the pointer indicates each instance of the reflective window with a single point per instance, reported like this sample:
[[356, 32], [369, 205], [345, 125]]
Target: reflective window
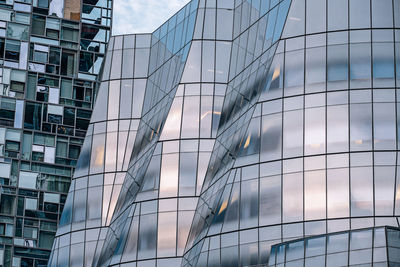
[[271, 137], [382, 13], [384, 126], [169, 175], [337, 14], [187, 174], [316, 16], [166, 236], [294, 72], [359, 13], [361, 191], [337, 66], [337, 128], [190, 121], [383, 64], [314, 195], [360, 65], [147, 236], [293, 133], [249, 204], [360, 127], [292, 197], [295, 24], [384, 179], [270, 200], [314, 131], [338, 193], [315, 69]]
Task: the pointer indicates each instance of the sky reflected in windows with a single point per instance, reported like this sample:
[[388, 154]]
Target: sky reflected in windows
[[145, 16]]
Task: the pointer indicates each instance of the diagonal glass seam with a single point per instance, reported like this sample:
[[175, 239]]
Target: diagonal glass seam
[[134, 160], [251, 109], [219, 136], [118, 212], [210, 207]]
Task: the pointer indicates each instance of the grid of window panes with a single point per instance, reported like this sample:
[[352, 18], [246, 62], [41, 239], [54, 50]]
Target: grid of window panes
[[183, 147], [378, 246], [50, 56], [261, 122], [320, 151], [138, 97], [105, 154]]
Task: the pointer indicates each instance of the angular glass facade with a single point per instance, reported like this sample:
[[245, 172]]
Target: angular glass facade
[[51, 53], [239, 128], [366, 247]]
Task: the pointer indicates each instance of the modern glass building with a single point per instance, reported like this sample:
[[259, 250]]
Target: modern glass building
[[244, 133], [51, 53]]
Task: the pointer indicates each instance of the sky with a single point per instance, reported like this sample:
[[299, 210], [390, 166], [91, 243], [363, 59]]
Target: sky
[[143, 16]]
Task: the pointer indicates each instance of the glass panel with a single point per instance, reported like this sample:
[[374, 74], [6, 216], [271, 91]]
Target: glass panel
[[94, 203], [248, 254], [132, 241], [223, 54], [172, 127], [113, 100], [295, 251], [359, 13], [166, 244], [384, 126], [270, 200], [275, 79], [337, 243], [337, 14], [208, 64], [315, 69], [361, 191], [271, 138], [169, 175], [316, 16], [79, 209], [111, 152], [294, 72], [315, 195], [185, 221], [295, 23], [127, 64], [360, 239], [187, 174], [337, 128], [249, 204], [360, 65], [315, 246], [360, 127], [382, 13], [292, 197], [383, 64], [293, 133], [232, 213], [384, 190], [190, 124], [97, 154], [338, 192], [193, 63], [314, 131], [141, 62], [138, 96], [206, 116], [147, 236], [209, 24], [126, 99]]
